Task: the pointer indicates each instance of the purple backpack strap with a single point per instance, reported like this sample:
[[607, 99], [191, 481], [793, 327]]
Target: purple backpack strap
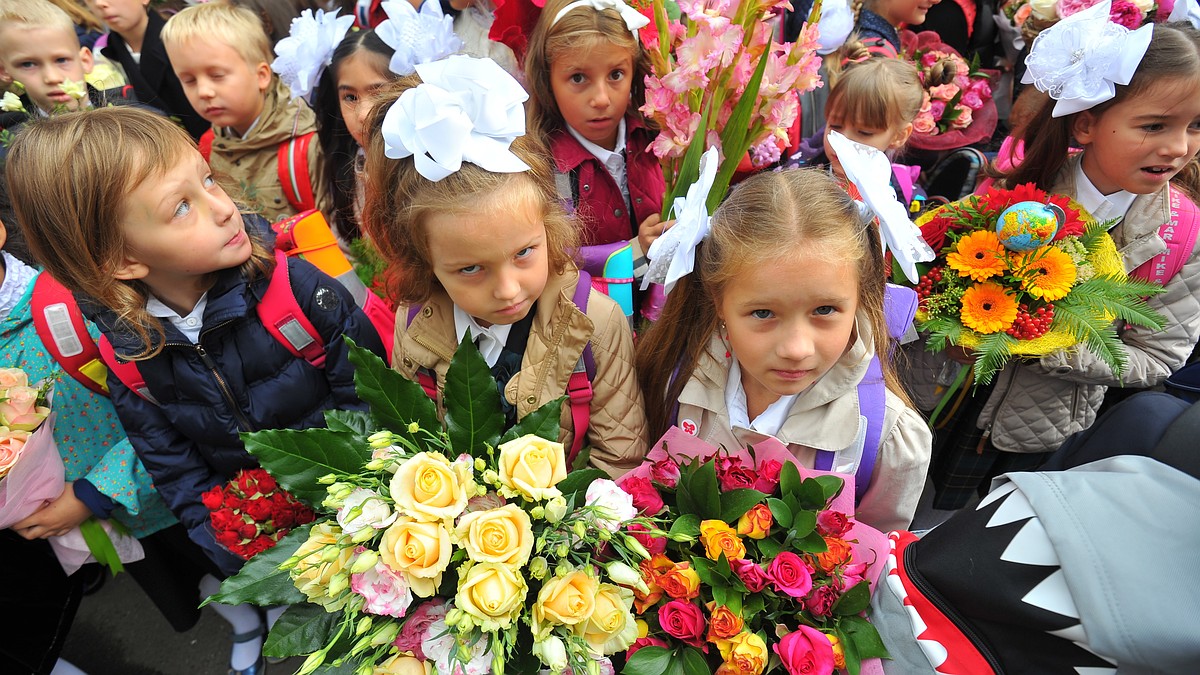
[[425, 376], [903, 175], [579, 386]]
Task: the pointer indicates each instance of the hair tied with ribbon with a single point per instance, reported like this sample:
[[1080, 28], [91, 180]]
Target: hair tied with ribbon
[[307, 51], [1080, 60], [416, 37], [465, 110], [634, 20], [673, 255]]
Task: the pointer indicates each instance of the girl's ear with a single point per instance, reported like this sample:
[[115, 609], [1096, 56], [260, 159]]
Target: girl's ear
[[129, 269], [901, 137], [1083, 127]]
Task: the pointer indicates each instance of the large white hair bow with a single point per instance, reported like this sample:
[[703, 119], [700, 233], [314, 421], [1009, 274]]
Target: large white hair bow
[[673, 255], [465, 110], [837, 20], [417, 37], [634, 20], [304, 54], [1080, 60], [871, 172], [1186, 10]]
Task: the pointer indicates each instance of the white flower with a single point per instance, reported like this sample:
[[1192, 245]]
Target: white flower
[[417, 37], [364, 508], [623, 574], [384, 591], [11, 103], [76, 90], [1046, 10], [552, 652], [613, 505], [441, 644], [308, 49]]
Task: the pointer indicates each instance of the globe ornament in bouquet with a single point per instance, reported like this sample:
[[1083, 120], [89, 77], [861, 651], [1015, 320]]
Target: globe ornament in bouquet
[[1028, 226]]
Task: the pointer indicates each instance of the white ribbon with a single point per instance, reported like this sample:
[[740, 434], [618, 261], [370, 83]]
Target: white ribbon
[[871, 171], [837, 20], [303, 55], [1080, 60], [417, 37], [1186, 10], [673, 255], [634, 20], [465, 110]]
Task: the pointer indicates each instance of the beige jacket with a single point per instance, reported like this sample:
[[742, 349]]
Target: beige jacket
[[826, 417], [1036, 404], [252, 163], [617, 427]]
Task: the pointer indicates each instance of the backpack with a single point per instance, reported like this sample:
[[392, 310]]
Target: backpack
[[579, 385], [610, 266], [292, 166]]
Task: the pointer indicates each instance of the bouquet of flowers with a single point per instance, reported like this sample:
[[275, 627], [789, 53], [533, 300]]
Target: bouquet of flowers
[[455, 548], [22, 411], [764, 569], [250, 514], [1128, 13], [958, 109], [1024, 273], [719, 80]]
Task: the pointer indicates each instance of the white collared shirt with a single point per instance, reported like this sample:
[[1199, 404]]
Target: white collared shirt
[[613, 160], [769, 422], [189, 325], [490, 340], [1102, 207]]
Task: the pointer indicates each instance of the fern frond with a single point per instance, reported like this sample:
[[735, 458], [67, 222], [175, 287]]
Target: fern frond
[[1108, 296], [1098, 336], [993, 352]]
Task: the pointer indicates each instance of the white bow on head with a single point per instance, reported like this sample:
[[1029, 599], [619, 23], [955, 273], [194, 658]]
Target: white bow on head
[[634, 20], [465, 110], [304, 54], [871, 172], [1080, 60], [673, 255], [417, 37], [1186, 10]]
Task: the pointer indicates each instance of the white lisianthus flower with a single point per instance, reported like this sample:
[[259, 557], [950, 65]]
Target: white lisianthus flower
[[613, 505], [372, 511], [11, 103]]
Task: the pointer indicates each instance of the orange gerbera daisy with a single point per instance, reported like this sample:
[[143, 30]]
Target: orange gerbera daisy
[[988, 308], [1046, 273], [979, 255]]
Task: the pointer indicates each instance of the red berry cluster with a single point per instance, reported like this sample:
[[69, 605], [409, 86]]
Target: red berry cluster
[[1028, 326], [925, 284]]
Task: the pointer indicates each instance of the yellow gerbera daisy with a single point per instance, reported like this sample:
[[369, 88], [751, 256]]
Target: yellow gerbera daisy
[[979, 255], [1047, 273], [988, 308]]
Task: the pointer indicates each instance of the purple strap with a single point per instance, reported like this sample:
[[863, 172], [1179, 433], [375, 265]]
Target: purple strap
[[582, 289]]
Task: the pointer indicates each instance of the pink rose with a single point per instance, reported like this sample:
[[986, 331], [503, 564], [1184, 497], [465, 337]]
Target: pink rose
[[413, 634], [1068, 7], [790, 574], [11, 445], [20, 410], [653, 544], [928, 59], [1126, 14], [386, 592], [821, 600], [943, 92], [832, 523], [13, 377], [963, 120], [751, 574], [665, 472], [925, 124], [768, 476], [972, 100], [981, 87], [733, 474], [851, 575], [806, 652], [643, 642], [684, 621], [936, 109], [645, 498]]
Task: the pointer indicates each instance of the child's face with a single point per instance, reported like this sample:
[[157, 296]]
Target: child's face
[[126, 17], [591, 87], [908, 12], [493, 263], [1141, 143], [786, 328], [43, 59], [886, 139], [179, 227], [219, 83], [359, 76]]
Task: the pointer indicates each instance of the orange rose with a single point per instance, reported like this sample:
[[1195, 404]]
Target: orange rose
[[744, 654], [652, 570], [718, 537], [680, 582], [723, 623], [756, 523], [839, 652], [839, 552]]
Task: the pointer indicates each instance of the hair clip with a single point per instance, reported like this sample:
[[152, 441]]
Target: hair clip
[[1080, 60], [465, 110], [673, 255], [417, 37], [1186, 10], [871, 172], [634, 20], [304, 54]]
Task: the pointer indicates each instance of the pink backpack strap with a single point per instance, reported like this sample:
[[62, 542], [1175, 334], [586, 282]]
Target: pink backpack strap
[[1179, 233], [283, 318]]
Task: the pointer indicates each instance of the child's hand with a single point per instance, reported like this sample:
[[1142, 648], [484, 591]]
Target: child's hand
[[650, 229], [56, 518]]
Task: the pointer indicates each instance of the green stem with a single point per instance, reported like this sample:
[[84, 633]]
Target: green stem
[[958, 382]]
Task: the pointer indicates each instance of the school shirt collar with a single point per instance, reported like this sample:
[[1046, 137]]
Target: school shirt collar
[[493, 337], [613, 160], [1102, 207], [189, 325], [769, 422], [17, 276]]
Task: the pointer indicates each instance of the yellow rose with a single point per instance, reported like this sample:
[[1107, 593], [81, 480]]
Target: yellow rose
[[420, 550], [1046, 10], [428, 487], [611, 628], [756, 523], [503, 535], [744, 654], [492, 593], [718, 537], [532, 466], [314, 576], [402, 664], [565, 600]]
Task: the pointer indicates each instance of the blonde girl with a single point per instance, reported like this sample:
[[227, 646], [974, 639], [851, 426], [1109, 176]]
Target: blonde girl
[[775, 329]]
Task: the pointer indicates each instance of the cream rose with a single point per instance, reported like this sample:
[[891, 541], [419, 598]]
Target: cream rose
[[420, 550], [532, 466], [503, 535], [19, 409], [1046, 10], [314, 576], [13, 377], [1144, 6], [565, 600], [493, 594], [611, 627], [402, 664], [428, 487], [11, 444]]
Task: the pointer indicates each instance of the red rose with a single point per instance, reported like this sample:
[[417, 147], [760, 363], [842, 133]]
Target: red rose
[[304, 515], [806, 652], [654, 545], [266, 482], [227, 538], [751, 574], [213, 499], [643, 642], [261, 510], [790, 574], [684, 621], [665, 472], [832, 523], [248, 530], [733, 474], [768, 476], [645, 498], [284, 520], [245, 482], [225, 519], [821, 600]]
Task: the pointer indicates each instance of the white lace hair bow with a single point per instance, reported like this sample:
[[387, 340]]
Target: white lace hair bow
[[1080, 60], [1186, 10], [634, 20], [871, 172], [417, 37], [465, 110], [673, 255], [837, 20], [304, 54]]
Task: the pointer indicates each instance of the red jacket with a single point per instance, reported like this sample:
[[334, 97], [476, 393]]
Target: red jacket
[[598, 200]]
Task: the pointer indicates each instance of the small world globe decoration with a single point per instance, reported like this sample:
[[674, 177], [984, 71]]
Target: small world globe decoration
[[1027, 226]]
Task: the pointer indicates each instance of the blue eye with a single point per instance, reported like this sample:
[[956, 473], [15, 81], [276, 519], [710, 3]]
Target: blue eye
[[525, 252], [209, 181], [825, 310], [470, 269], [183, 209], [762, 314]]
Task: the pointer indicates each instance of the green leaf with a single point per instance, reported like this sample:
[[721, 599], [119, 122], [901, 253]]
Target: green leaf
[[781, 512], [473, 417], [693, 661], [577, 482], [830, 486], [260, 581], [543, 423], [865, 637], [789, 481], [648, 661], [804, 523], [303, 629], [812, 542], [702, 492], [349, 667], [687, 524], [850, 653], [297, 458], [734, 141], [395, 401], [101, 546], [735, 503], [854, 600], [811, 494], [355, 421]]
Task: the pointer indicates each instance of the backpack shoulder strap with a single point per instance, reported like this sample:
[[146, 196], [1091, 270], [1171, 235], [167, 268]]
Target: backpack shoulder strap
[[205, 144], [566, 184], [293, 172], [1179, 233], [126, 371], [284, 319], [579, 386], [61, 328]]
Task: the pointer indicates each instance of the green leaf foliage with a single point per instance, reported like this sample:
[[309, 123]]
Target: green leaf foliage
[[473, 417], [357, 422], [687, 524], [648, 661], [260, 581], [303, 629], [804, 523], [781, 512], [577, 482], [854, 600], [865, 637], [693, 660], [699, 493], [543, 423], [735, 503], [297, 458], [831, 486], [395, 401], [789, 481]]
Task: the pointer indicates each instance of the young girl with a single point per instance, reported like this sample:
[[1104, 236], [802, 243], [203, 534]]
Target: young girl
[[774, 331], [878, 21], [488, 251], [585, 70], [1138, 168], [171, 273]]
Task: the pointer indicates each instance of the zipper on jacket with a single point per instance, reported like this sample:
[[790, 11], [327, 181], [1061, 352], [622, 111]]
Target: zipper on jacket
[[242, 421], [935, 598]]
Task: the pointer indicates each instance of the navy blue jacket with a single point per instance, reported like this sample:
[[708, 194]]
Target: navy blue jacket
[[237, 378]]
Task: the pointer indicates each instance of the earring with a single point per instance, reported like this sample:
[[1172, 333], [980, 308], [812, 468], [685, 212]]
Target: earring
[[721, 332]]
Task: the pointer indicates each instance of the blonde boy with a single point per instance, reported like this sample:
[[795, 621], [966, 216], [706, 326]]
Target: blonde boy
[[39, 49], [222, 57]]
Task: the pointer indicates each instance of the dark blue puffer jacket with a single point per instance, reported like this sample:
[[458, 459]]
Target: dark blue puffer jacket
[[237, 378]]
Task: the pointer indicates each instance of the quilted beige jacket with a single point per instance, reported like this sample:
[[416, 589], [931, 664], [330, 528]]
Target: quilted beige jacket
[[1035, 405], [617, 427]]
